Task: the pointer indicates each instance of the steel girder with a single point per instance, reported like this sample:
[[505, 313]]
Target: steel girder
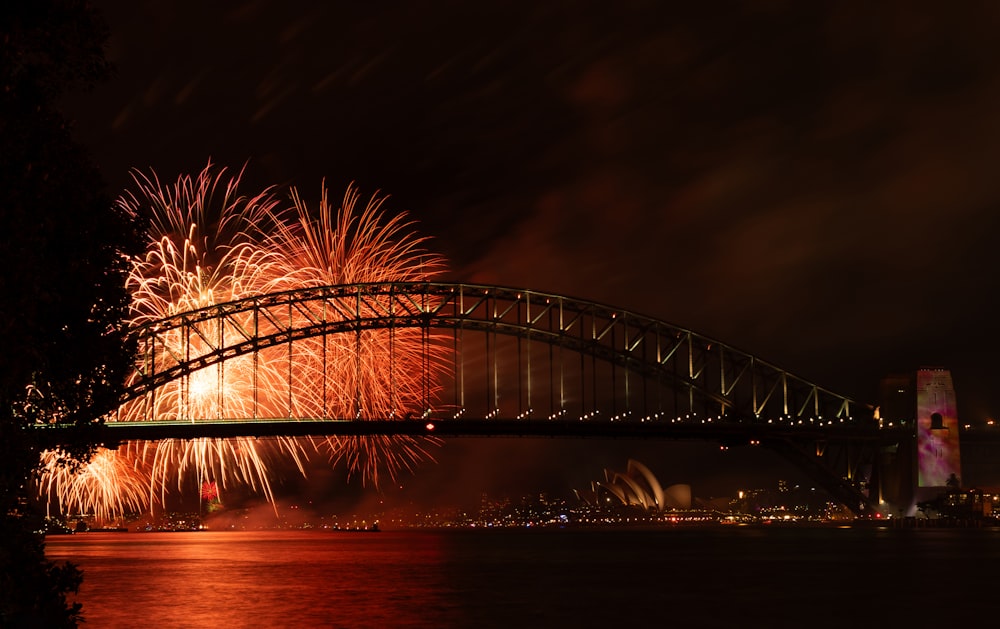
[[515, 352], [710, 377]]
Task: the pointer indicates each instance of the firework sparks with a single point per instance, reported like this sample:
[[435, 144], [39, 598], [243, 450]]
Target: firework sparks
[[109, 486], [375, 378], [208, 245]]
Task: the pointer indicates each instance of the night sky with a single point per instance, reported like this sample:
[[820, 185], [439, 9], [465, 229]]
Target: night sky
[[814, 183]]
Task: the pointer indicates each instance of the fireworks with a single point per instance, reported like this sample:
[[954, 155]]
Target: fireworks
[[109, 485], [343, 246], [207, 245]]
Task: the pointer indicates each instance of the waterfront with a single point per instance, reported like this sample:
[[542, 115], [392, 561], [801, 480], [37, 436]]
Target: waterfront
[[781, 576]]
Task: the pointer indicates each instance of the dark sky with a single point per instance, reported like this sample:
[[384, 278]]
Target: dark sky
[[815, 183]]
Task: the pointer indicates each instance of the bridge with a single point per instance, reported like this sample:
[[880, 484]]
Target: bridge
[[451, 359]]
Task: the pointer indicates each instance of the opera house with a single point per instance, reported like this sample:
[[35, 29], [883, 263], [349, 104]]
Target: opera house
[[636, 487]]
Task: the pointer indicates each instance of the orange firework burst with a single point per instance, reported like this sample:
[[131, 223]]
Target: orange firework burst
[[203, 249], [208, 245], [375, 374], [109, 486]]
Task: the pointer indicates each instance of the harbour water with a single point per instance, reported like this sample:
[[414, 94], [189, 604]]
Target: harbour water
[[721, 576]]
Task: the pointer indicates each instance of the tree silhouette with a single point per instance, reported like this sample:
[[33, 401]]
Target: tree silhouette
[[62, 296]]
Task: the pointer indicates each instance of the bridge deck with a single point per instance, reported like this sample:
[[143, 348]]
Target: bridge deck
[[736, 433]]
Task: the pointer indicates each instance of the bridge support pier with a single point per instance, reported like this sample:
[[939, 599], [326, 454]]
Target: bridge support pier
[[897, 482]]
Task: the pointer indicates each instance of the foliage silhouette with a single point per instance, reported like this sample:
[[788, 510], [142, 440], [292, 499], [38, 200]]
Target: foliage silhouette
[[62, 285]]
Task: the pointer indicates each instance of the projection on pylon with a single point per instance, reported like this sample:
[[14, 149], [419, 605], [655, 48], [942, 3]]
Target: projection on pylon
[[938, 460]]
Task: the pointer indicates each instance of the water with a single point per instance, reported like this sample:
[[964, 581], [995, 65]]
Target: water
[[699, 577]]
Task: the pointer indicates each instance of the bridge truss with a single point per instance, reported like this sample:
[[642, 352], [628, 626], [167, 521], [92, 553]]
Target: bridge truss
[[491, 360]]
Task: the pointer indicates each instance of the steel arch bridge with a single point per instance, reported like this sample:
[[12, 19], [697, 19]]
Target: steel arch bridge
[[491, 361]]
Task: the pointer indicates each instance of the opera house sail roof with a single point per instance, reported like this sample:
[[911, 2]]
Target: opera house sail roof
[[637, 486]]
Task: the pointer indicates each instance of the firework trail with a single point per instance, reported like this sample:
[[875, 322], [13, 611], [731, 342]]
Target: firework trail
[[109, 486], [208, 245], [376, 377]]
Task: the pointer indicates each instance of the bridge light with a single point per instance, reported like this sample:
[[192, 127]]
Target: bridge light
[[429, 426]]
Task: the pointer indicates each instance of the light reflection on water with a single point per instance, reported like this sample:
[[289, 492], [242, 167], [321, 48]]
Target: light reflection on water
[[258, 579], [713, 577]]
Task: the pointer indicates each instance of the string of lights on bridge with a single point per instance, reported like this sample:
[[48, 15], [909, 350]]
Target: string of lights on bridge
[[628, 416]]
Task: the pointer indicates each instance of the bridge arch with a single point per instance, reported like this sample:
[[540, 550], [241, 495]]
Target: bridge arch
[[706, 375], [506, 355]]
